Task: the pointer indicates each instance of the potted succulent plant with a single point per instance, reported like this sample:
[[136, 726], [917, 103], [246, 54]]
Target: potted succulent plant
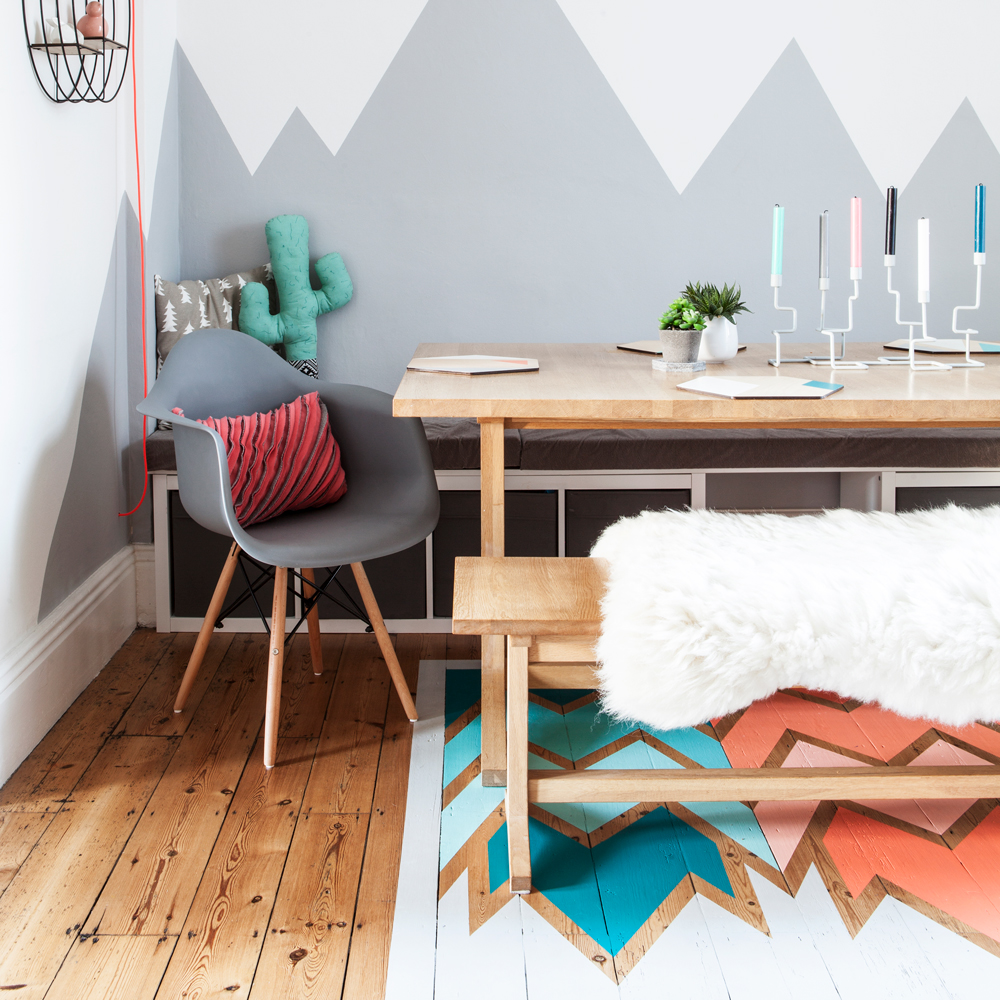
[[681, 327], [720, 342]]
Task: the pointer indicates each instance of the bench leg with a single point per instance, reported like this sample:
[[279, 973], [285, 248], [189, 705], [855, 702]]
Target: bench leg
[[518, 844], [494, 746]]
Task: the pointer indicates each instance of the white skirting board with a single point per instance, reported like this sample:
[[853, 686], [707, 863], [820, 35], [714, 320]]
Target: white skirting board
[[43, 674], [145, 584]]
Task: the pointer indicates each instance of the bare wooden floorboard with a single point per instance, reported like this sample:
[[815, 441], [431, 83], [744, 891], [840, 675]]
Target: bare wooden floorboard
[[304, 696], [46, 904], [343, 777], [368, 961], [222, 938], [152, 712], [45, 780], [151, 887], [305, 953], [463, 647], [111, 967], [18, 834]]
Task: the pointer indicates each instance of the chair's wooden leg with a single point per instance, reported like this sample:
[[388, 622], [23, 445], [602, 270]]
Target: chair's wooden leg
[[275, 661], [494, 760], [312, 620], [207, 628], [518, 844], [384, 642]]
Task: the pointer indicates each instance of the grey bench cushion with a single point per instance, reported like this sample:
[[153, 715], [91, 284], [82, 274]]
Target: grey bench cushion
[[857, 448], [455, 445]]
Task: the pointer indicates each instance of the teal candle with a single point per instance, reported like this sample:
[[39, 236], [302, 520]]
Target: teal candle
[[980, 235], [777, 239]]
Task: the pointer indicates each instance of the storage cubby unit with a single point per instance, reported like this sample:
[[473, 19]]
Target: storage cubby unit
[[546, 514], [589, 512], [925, 497], [530, 529]]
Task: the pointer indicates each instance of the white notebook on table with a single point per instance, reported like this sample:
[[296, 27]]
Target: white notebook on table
[[760, 387], [473, 364]]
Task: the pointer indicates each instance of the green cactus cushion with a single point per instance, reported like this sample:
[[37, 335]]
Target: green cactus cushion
[[294, 326]]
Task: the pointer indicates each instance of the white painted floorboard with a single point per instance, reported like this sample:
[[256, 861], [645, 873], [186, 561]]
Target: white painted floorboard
[[884, 961], [749, 965], [967, 971], [410, 975], [487, 965], [554, 968], [681, 964]]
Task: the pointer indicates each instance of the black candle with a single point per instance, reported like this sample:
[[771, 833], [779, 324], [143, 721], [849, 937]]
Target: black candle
[[890, 222]]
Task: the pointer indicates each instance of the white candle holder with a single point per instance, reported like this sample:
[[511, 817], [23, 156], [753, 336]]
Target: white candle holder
[[838, 364], [978, 260], [915, 366], [776, 360]]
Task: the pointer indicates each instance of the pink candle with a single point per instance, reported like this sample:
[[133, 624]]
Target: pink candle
[[855, 233]]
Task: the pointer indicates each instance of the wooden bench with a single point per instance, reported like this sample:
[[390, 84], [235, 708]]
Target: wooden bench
[[549, 609]]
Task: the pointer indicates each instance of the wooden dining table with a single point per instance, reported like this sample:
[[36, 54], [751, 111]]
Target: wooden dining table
[[600, 386]]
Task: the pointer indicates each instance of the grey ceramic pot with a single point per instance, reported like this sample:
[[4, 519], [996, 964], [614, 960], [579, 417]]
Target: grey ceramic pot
[[680, 345]]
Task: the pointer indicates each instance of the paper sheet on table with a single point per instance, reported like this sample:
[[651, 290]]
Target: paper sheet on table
[[762, 387], [473, 364], [949, 345]]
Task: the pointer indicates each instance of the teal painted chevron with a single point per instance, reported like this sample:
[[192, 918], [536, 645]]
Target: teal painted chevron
[[609, 890], [612, 889]]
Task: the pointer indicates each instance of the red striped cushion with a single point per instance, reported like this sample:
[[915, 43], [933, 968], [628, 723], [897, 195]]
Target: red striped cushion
[[281, 461]]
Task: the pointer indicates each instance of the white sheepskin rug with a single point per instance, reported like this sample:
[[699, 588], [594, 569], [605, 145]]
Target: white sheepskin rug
[[706, 612]]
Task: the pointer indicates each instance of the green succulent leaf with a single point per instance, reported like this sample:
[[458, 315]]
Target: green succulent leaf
[[710, 301], [682, 315]]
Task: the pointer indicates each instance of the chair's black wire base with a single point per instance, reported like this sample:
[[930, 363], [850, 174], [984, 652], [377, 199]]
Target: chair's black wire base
[[265, 573]]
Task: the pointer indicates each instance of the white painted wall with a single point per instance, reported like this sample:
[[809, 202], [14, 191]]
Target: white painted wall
[[64, 171], [895, 70]]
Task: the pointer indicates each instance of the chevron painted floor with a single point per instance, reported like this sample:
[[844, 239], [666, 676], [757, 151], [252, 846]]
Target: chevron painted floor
[[743, 900]]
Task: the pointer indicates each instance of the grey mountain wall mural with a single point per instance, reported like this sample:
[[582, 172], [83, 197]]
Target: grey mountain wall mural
[[106, 474], [88, 530], [495, 189]]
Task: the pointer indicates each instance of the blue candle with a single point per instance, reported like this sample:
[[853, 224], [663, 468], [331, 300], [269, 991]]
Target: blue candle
[[980, 246], [777, 239]]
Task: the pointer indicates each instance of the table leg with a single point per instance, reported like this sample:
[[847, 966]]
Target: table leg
[[518, 844], [494, 723]]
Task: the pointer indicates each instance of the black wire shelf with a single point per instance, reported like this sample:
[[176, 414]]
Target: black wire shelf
[[74, 70]]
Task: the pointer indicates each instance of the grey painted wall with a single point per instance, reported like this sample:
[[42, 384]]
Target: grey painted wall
[[495, 189], [88, 530], [106, 475]]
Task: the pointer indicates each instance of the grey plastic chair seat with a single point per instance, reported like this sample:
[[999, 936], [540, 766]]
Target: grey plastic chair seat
[[391, 501]]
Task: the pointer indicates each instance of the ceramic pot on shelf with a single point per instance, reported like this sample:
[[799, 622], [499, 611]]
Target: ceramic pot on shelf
[[720, 341], [93, 23], [680, 345]]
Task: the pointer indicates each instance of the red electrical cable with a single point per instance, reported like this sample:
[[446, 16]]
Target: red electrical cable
[[142, 265]]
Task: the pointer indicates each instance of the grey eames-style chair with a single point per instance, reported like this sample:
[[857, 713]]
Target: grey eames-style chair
[[391, 501]]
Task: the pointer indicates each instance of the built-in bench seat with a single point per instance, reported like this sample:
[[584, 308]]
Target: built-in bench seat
[[455, 445]]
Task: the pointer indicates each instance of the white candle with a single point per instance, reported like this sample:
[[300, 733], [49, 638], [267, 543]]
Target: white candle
[[855, 235], [923, 260]]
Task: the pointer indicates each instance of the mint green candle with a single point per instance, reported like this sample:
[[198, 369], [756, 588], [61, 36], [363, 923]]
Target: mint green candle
[[777, 239]]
